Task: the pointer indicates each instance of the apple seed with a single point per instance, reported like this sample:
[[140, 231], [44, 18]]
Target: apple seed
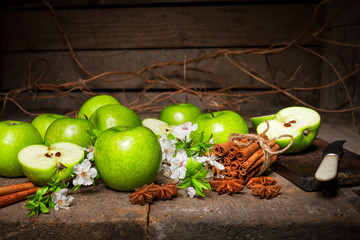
[[288, 124], [306, 132], [58, 154]]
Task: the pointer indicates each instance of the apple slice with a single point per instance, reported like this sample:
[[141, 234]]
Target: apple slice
[[41, 163], [301, 122], [255, 121], [157, 126]]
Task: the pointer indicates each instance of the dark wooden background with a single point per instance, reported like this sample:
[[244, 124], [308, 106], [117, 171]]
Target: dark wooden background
[[111, 35]]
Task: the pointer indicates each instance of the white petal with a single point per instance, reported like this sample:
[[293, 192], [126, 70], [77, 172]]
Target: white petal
[[92, 173]]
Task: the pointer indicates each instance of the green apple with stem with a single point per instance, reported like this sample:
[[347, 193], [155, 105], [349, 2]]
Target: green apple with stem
[[219, 125], [127, 157], [15, 135], [92, 104], [255, 121], [301, 123], [177, 114], [73, 130], [41, 163], [43, 121], [112, 115], [157, 126]]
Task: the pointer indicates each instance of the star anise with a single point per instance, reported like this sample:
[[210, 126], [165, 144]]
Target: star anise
[[166, 191], [268, 192], [264, 187], [143, 195], [152, 192], [228, 186]]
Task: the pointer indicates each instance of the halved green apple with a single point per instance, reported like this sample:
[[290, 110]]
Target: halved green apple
[[41, 163], [301, 122], [157, 126], [255, 121]]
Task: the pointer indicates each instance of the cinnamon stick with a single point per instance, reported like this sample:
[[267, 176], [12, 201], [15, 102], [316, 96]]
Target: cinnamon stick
[[222, 149], [245, 153], [16, 197], [15, 188], [253, 158]]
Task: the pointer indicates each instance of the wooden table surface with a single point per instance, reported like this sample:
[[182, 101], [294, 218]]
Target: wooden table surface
[[100, 213]]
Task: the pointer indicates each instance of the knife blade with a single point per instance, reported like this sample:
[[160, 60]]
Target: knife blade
[[327, 170]]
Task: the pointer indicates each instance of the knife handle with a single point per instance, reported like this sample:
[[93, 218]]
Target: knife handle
[[328, 168]]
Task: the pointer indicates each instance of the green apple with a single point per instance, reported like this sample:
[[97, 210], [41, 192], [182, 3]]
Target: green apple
[[255, 121], [219, 125], [112, 115], [177, 114], [301, 122], [127, 157], [43, 121], [15, 135], [157, 126], [41, 163], [92, 104], [73, 130]]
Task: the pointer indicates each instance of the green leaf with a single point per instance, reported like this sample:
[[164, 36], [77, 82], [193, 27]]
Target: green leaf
[[171, 136], [198, 188], [203, 184], [42, 191], [191, 167], [31, 213], [77, 187], [187, 183], [43, 208], [202, 174]]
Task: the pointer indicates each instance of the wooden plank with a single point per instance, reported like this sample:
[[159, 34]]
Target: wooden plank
[[155, 27], [290, 68]]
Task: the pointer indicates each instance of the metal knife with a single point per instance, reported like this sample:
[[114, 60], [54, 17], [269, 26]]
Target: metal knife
[[330, 159]]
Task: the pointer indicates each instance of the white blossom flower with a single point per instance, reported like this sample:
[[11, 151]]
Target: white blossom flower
[[183, 131], [211, 160], [84, 173], [167, 171], [178, 165], [61, 199], [189, 191], [167, 147], [90, 152]]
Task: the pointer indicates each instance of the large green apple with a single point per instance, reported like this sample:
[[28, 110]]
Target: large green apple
[[301, 122], [15, 135], [73, 130], [92, 104], [112, 115], [127, 157], [220, 125], [43, 121], [177, 114], [41, 163]]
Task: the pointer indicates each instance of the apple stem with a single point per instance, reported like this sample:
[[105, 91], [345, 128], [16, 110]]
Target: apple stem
[[212, 114]]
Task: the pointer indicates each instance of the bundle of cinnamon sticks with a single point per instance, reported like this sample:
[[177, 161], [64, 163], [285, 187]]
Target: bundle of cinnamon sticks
[[242, 158], [15, 193]]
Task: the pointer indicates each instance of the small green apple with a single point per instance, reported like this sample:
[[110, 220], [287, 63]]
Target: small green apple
[[301, 122], [15, 135], [112, 115], [92, 104], [127, 157], [157, 126], [255, 121], [41, 163], [43, 121], [219, 125], [73, 130], [177, 114]]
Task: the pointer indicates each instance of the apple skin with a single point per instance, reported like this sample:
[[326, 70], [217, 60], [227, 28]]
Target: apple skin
[[71, 130], [15, 135], [177, 114], [221, 125], [255, 121], [41, 176], [43, 121], [92, 104], [127, 157], [304, 131], [112, 115]]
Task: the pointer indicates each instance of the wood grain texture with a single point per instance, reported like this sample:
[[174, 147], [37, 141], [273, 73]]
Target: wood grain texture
[[211, 73], [155, 27]]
